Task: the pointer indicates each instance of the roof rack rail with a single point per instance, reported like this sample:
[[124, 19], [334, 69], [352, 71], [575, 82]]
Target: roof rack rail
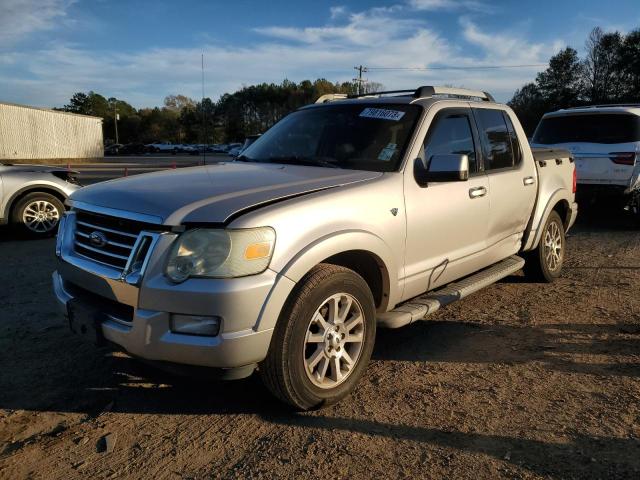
[[604, 105], [430, 91], [330, 97], [420, 92]]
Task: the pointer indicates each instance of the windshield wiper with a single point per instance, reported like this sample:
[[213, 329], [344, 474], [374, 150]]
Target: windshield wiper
[[297, 160], [243, 158]]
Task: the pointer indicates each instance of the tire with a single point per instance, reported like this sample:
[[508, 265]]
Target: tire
[[37, 214], [544, 264], [308, 335]]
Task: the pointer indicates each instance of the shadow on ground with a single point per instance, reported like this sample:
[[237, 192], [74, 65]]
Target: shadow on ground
[[599, 457], [85, 379]]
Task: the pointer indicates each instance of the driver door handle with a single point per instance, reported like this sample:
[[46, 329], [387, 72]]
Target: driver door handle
[[528, 181], [477, 192]]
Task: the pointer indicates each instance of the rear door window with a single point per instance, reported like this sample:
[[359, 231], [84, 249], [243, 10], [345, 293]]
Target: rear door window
[[515, 144], [588, 128], [496, 139]]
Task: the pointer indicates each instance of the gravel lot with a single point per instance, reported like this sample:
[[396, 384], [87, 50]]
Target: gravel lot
[[518, 381]]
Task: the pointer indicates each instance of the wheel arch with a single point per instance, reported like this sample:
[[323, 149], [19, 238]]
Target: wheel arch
[[24, 191], [372, 260], [558, 202]]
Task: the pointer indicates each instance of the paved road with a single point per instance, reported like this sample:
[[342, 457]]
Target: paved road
[[116, 167]]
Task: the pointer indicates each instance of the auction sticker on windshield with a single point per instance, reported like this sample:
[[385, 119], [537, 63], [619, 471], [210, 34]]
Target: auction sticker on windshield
[[387, 152], [382, 113]]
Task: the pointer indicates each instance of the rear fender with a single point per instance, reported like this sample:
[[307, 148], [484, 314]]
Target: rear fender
[[540, 216]]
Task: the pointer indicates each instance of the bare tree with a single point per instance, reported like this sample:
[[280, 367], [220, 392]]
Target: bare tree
[[601, 65], [373, 87], [178, 102]]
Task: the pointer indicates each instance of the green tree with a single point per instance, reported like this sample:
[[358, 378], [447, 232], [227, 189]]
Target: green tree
[[609, 73], [629, 67], [529, 105], [561, 84]]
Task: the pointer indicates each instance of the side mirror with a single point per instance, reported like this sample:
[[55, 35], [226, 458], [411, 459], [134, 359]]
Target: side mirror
[[442, 168]]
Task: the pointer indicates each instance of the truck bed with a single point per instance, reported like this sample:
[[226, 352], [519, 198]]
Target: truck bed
[[546, 154]]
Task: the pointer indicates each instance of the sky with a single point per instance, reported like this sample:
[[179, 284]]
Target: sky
[[143, 50]]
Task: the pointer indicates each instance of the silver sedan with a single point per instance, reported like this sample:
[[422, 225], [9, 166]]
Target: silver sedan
[[32, 196]]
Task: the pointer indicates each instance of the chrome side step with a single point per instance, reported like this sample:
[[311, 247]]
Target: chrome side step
[[420, 307]]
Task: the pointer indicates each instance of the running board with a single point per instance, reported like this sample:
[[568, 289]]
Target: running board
[[420, 307]]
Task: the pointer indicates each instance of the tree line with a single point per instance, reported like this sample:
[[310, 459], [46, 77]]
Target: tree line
[[608, 73], [248, 111]]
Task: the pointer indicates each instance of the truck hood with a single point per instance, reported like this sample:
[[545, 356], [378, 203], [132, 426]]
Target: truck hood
[[213, 193]]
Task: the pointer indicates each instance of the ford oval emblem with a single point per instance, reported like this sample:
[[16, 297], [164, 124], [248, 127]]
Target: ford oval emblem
[[98, 239]]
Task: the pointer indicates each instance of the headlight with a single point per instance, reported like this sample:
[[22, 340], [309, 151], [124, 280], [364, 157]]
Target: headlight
[[220, 253], [60, 235]]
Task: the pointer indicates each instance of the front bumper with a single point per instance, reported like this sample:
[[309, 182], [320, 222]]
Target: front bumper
[[135, 310], [149, 337]]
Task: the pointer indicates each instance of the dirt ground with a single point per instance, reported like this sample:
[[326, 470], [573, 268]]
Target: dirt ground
[[520, 380]]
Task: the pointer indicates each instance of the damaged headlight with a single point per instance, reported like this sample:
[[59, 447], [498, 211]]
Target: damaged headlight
[[217, 253]]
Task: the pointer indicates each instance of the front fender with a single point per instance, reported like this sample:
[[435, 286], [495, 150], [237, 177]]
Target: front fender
[[319, 250], [32, 186]]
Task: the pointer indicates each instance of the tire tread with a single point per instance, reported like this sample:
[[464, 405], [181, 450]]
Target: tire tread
[[273, 368]]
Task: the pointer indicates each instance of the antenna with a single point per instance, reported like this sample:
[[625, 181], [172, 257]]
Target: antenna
[[204, 131]]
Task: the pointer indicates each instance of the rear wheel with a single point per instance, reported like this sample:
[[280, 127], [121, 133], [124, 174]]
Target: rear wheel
[[38, 214], [545, 262], [323, 339]]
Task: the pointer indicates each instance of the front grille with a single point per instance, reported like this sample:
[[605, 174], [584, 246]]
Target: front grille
[[117, 237]]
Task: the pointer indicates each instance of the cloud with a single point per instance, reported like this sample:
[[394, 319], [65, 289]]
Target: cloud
[[362, 28], [19, 18], [337, 12], [379, 37], [431, 5], [506, 46]]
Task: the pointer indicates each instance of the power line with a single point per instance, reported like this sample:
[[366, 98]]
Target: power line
[[458, 67]]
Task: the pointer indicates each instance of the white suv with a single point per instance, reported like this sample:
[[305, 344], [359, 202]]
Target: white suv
[[605, 142]]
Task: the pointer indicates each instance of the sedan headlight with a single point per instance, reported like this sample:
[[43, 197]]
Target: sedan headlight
[[217, 253]]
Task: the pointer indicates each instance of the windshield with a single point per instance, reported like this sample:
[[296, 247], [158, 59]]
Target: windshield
[[357, 136], [589, 128]]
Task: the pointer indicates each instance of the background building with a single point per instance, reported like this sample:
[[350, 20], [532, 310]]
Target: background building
[[42, 135]]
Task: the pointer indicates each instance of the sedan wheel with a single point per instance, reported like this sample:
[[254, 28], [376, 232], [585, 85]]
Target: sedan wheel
[[40, 216], [37, 214]]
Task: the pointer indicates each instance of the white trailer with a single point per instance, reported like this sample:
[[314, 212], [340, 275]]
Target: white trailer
[[30, 133]]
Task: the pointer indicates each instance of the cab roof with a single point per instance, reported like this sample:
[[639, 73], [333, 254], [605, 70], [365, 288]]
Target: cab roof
[[419, 95]]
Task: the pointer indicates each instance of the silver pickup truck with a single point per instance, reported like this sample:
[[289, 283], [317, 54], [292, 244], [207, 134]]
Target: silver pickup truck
[[347, 215]]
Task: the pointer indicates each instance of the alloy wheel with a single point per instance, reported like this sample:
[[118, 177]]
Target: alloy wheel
[[334, 340], [40, 216], [553, 248]]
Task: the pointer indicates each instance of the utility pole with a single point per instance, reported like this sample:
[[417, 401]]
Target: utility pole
[[116, 117], [204, 128], [360, 81]]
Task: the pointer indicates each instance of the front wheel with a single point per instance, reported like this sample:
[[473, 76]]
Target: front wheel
[[545, 262], [38, 214], [323, 340]]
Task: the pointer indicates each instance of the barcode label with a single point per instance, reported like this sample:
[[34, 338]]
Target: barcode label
[[382, 114]]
